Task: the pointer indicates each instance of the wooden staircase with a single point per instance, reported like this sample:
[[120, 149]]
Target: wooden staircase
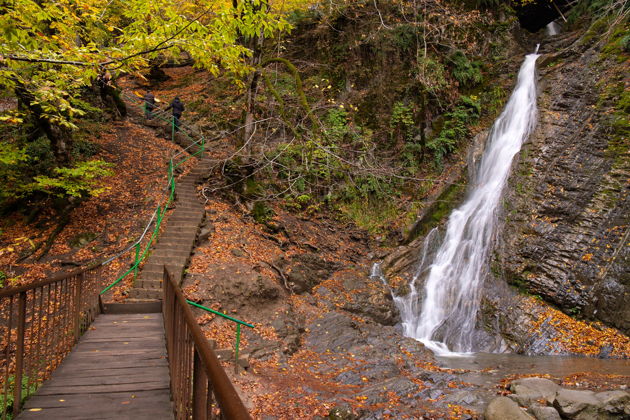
[[176, 243]]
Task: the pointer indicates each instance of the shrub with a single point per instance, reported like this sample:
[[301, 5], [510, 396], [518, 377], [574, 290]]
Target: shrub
[[455, 128], [466, 72]]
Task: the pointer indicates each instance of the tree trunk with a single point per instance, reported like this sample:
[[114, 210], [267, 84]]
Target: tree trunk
[[60, 137]]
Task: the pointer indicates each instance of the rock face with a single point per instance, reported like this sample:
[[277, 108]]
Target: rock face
[[305, 271], [567, 209]]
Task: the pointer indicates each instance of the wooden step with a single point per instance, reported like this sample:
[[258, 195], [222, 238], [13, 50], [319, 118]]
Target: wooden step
[[137, 293]]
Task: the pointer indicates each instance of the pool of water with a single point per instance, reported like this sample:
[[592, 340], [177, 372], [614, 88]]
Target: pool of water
[[489, 368]]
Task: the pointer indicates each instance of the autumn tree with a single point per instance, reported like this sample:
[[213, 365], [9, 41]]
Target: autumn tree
[[52, 53]]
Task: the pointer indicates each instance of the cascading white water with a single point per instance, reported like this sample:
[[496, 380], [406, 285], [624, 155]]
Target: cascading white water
[[445, 321], [552, 29]]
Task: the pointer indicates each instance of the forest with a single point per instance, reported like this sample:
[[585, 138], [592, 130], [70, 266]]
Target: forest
[[332, 147]]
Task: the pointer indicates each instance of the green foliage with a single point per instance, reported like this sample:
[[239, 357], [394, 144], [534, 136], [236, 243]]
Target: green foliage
[[11, 155], [13, 159], [405, 37], [373, 216], [618, 43], [83, 149], [261, 212], [432, 74], [455, 128], [410, 156], [466, 72], [336, 122], [81, 181], [493, 99], [7, 402], [594, 9], [367, 187], [303, 199], [402, 119], [52, 51]]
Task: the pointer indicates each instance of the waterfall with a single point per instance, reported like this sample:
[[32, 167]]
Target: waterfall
[[552, 29], [445, 319]]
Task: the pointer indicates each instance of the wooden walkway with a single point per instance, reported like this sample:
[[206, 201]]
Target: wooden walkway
[[118, 370]]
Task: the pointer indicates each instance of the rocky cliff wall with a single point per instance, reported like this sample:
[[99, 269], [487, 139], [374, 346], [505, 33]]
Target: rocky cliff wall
[[561, 254], [565, 236]]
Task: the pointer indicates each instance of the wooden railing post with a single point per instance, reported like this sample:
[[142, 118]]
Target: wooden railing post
[[200, 382], [77, 308], [19, 354], [211, 387]]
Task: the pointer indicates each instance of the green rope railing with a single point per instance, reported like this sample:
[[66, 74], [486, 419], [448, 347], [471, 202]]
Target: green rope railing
[[159, 213], [238, 323]]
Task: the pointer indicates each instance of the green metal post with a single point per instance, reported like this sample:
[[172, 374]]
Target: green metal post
[[173, 129], [136, 262]]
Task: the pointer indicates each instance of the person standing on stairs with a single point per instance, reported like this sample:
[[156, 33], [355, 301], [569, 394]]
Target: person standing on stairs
[[178, 107], [149, 104]]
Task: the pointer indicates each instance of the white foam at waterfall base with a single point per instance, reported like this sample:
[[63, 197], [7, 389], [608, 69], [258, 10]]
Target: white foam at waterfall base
[[443, 316]]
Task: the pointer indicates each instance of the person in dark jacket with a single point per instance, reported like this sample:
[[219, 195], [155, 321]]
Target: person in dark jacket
[[178, 107], [149, 105]]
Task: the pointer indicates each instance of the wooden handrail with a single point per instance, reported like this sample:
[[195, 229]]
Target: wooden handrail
[[10, 291], [39, 325], [185, 338]]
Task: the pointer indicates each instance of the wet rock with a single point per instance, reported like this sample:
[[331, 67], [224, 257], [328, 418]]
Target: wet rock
[[335, 332], [605, 351], [237, 252], [571, 402], [375, 371], [237, 286], [528, 390], [262, 349], [370, 298], [615, 404], [205, 233], [431, 393], [341, 413], [503, 408], [463, 398], [544, 413], [380, 392]]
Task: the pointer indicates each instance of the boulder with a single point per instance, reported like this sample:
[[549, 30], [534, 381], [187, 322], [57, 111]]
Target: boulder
[[570, 402], [503, 408], [613, 404], [544, 413], [529, 390]]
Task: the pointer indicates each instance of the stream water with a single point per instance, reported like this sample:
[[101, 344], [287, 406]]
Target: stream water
[[489, 368], [443, 314]]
